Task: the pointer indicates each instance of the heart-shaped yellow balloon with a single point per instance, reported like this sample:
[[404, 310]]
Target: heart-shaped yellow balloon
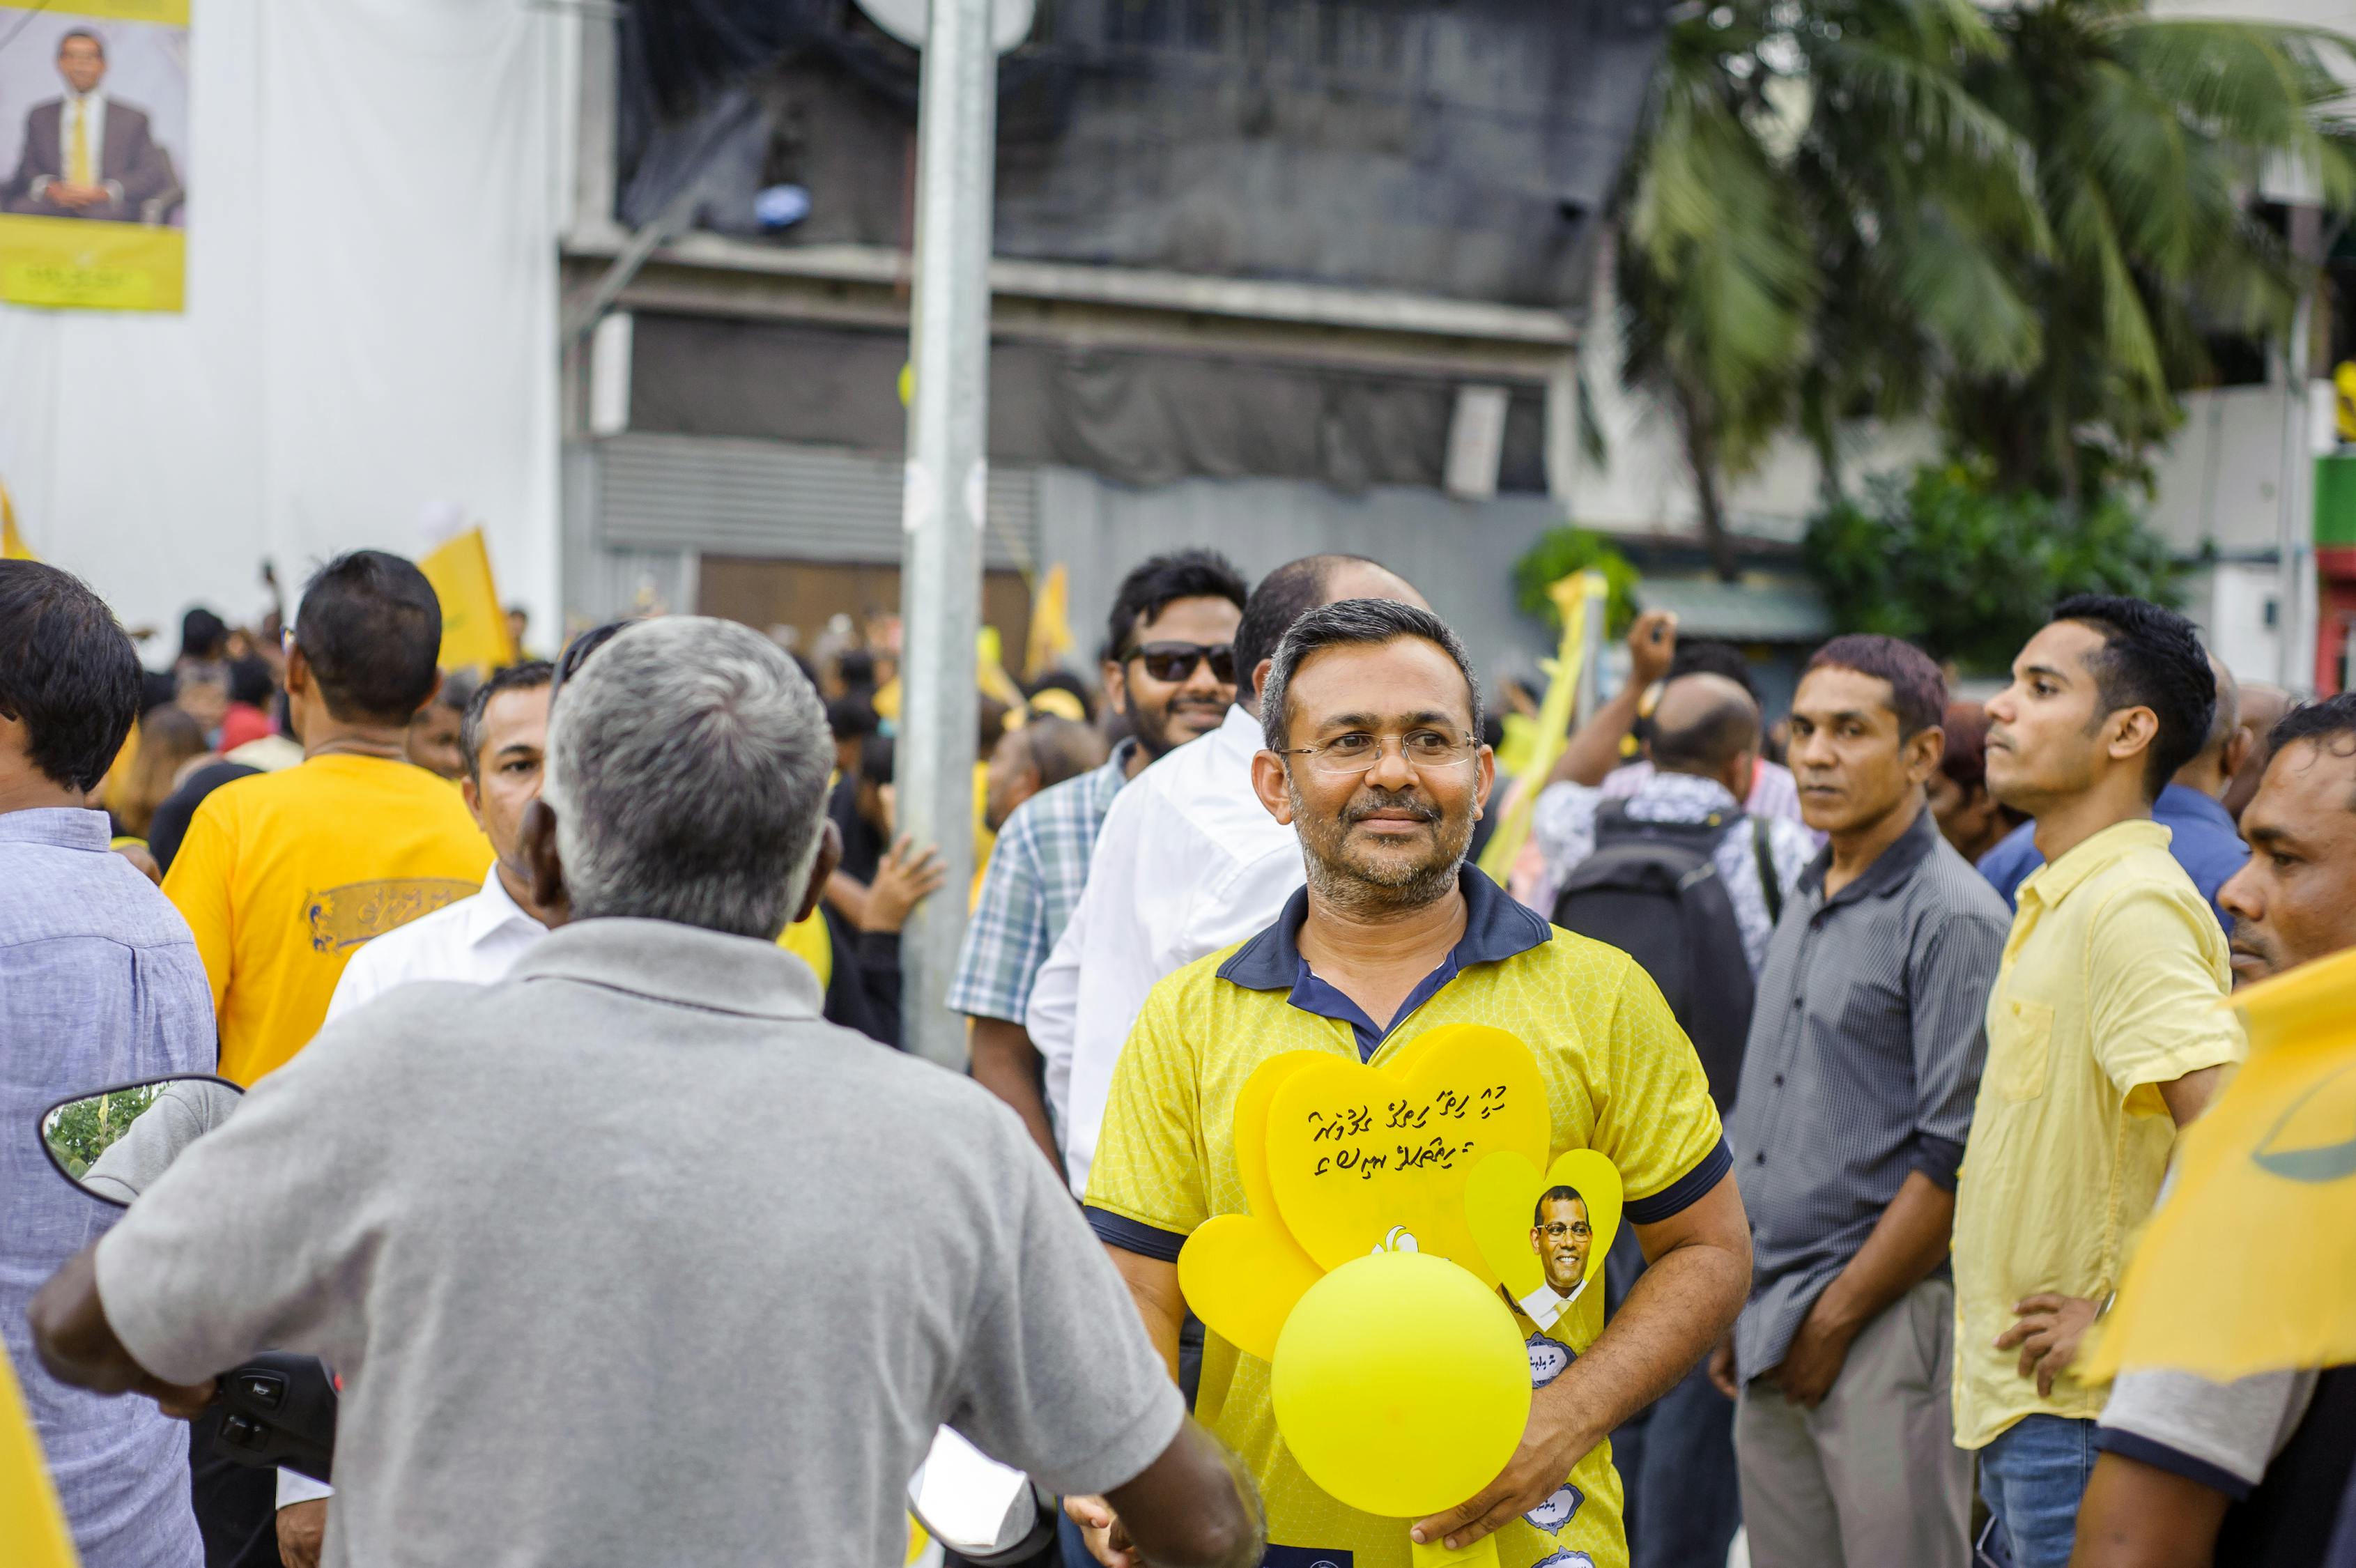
[[1355, 1152], [1504, 1202], [1242, 1276]]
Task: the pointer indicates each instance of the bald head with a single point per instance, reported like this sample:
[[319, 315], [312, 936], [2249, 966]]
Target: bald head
[[2227, 745], [2260, 706], [1292, 591], [1706, 725]]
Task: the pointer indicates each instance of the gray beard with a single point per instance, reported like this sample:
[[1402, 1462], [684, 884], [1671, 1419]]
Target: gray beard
[[1364, 893]]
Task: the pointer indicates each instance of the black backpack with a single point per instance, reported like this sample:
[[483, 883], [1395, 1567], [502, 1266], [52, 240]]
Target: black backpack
[[1650, 890]]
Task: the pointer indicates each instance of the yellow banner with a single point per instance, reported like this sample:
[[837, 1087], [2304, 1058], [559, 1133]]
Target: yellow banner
[[167, 13], [74, 263], [474, 626]]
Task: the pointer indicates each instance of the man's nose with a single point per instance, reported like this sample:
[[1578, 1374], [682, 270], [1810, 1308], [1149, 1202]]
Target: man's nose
[[2239, 897], [1390, 770]]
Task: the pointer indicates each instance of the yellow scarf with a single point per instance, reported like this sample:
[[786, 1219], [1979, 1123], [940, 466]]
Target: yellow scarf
[[2250, 1265]]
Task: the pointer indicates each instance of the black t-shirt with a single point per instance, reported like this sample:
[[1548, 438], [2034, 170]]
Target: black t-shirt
[[863, 846], [170, 824]]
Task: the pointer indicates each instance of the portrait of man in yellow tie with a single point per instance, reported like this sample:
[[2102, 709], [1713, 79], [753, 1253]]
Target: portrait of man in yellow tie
[[89, 154]]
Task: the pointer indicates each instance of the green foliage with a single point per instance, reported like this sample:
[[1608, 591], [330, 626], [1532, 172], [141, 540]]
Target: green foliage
[[1946, 560], [83, 1130], [1559, 551]]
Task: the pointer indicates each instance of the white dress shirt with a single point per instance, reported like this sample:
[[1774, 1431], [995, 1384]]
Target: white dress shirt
[[1188, 862], [475, 939]]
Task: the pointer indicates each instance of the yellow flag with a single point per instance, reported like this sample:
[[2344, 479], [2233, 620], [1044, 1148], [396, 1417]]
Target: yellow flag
[[2250, 1264], [1051, 629], [990, 669], [474, 626], [1578, 595], [36, 1525], [12, 544]]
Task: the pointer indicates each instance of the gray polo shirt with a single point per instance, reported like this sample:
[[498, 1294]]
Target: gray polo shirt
[[1862, 1064], [632, 1259]]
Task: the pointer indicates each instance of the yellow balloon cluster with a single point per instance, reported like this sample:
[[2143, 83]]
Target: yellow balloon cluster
[[1400, 1379]]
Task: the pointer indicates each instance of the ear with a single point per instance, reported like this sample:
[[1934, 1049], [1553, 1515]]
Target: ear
[[2238, 747], [1484, 780], [2133, 732], [1924, 750], [1269, 783], [297, 677], [472, 793], [431, 695], [1260, 679], [829, 856], [1115, 681], [536, 842]]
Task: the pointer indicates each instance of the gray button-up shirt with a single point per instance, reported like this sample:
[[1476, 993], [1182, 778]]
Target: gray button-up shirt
[[99, 984], [1862, 1065]]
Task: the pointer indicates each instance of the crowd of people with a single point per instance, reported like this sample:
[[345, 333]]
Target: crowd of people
[[559, 991]]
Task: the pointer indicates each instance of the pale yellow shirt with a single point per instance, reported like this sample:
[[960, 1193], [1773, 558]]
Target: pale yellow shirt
[[2108, 989]]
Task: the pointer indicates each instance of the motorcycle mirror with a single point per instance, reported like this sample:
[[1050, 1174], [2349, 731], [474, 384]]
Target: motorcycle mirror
[[986, 1512], [114, 1142]]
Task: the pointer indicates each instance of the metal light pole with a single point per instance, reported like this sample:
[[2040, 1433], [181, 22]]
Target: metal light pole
[[2295, 488], [946, 491]]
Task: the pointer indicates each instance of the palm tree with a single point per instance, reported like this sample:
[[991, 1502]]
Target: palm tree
[[2150, 136], [2021, 219]]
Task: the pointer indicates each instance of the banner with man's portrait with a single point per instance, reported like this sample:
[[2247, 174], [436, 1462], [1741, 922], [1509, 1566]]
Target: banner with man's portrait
[[94, 154]]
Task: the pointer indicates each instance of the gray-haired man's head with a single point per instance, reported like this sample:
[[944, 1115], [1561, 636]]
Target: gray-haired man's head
[[687, 772]]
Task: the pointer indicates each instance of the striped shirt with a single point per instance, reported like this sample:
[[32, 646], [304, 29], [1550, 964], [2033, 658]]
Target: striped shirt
[[1036, 874], [1864, 1057]]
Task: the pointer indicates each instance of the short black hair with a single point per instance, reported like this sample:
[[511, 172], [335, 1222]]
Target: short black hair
[[1555, 1194], [1153, 585], [576, 652], [95, 41], [1065, 681], [1363, 623], [1283, 596], [370, 629], [2151, 658], [849, 717], [203, 634], [876, 759], [2331, 724], [67, 672], [1918, 690], [1706, 656], [251, 681], [855, 668], [521, 677]]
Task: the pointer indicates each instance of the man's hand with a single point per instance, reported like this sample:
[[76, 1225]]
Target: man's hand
[[138, 855], [1814, 1362], [1107, 1540], [300, 1527], [903, 877], [2047, 1334], [1652, 648], [1721, 1370], [1555, 1440], [66, 193]]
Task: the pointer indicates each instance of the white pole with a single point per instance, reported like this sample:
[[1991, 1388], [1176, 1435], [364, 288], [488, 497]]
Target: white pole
[[946, 490]]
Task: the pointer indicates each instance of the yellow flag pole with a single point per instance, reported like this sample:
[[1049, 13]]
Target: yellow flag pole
[[1577, 596]]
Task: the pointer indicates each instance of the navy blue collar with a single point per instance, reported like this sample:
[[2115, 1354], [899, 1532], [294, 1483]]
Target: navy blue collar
[[1496, 927]]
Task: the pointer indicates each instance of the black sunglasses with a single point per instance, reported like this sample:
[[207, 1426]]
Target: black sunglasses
[[1176, 661]]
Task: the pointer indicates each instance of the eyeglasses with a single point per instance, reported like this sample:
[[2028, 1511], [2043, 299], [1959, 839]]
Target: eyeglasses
[[1176, 661], [1558, 1231], [1358, 751]]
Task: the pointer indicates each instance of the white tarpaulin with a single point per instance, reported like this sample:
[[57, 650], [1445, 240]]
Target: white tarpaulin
[[370, 324]]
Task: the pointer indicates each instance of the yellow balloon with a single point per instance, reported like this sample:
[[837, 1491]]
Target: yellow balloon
[[1401, 1385]]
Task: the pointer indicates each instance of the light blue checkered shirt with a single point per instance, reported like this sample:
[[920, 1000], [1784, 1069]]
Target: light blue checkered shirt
[[1036, 871]]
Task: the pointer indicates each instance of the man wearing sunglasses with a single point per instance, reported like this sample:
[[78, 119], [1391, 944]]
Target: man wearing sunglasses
[[1374, 755], [1187, 862], [1169, 669]]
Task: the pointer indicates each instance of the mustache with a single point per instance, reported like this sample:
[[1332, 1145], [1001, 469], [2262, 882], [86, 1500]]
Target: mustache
[[2246, 938], [1415, 806]]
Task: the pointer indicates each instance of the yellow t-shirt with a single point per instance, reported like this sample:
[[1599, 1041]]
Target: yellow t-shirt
[[1620, 1078], [284, 875], [2108, 989]]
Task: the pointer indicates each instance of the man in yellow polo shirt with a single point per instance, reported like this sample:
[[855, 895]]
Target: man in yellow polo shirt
[[2104, 1037], [284, 874], [1372, 723]]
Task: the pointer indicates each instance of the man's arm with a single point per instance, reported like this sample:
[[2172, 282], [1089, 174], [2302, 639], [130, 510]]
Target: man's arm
[[1195, 1507], [2140, 1516], [1698, 1273], [79, 1347], [1007, 1064], [1907, 1242], [2189, 1096], [1594, 749]]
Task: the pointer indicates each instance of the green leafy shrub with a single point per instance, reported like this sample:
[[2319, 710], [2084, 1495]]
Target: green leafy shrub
[[1558, 553], [1943, 560]]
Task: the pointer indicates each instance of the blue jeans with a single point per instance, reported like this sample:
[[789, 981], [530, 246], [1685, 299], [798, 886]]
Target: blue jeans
[[1685, 1503], [2033, 1475]]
